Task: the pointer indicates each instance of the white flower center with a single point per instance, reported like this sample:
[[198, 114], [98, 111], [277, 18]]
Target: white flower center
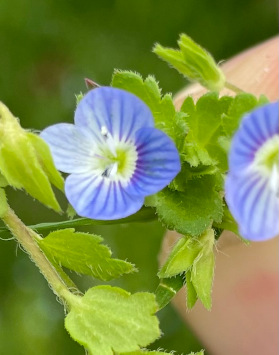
[[116, 160], [267, 162]]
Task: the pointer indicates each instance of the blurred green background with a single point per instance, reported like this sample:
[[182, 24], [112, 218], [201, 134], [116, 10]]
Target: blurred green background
[[47, 47]]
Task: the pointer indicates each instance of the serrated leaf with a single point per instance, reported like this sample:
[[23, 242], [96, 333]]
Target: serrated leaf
[[108, 320], [19, 162], [192, 211], [46, 161], [194, 62], [191, 297], [241, 104], [83, 253], [3, 203], [205, 122], [165, 116]]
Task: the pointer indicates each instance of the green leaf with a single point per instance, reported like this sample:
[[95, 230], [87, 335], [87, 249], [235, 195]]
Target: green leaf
[[3, 203], [181, 257], [3, 181], [241, 104], [184, 254], [202, 275], [205, 119], [191, 212], [194, 62], [46, 161], [167, 289], [108, 320], [19, 162], [83, 253], [191, 297], [163, 110], [199, 278]]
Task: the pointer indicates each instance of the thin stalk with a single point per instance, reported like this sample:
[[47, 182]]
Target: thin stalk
[[233, 88], [26, 238]]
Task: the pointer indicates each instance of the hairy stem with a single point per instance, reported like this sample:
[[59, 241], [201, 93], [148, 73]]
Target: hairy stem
[[233, 88], [26, 237]]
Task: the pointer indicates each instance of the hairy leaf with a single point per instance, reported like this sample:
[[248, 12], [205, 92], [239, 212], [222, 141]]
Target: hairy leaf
[[83, 253], [194, 62], [19, 162], [108, 320], [191, 212]]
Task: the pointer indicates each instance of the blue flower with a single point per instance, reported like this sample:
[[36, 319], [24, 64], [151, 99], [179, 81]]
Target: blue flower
[[252, 185], [113, 153]]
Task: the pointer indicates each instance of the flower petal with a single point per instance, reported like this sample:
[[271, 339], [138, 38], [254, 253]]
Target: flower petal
[[255, 129], [96, 197], [158, 162], [254, 205], [71, 151], [120, 112]]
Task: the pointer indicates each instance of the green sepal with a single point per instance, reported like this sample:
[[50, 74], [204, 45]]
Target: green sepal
[[167, 289], [195, 257], [202, 274], [19, 161], [3, 203], [165, 116], [181, 257], [204, 143], [3, 181], [46, 161], [194, 62], [191, 294], [109, 320], [184, 254], [83, 253], [191, 212]]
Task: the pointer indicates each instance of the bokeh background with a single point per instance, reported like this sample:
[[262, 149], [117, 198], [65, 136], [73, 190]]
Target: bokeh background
[[47, 47]]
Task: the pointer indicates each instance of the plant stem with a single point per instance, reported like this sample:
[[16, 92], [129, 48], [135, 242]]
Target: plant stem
[[26, 237], [233, 88]]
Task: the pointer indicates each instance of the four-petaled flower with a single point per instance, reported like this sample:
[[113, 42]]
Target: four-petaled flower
[[252, 185], [113, 153]]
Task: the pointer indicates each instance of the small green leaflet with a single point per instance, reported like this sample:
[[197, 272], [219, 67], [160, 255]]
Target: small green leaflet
[[195, 257], [46, 161], [191, 212], [202, 144], [21, 161], [109, 320], [83, 253], [3, 181], [194, 62], [163, 110], [181, 257], [191, 297], [241, 104], [202, 273]]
